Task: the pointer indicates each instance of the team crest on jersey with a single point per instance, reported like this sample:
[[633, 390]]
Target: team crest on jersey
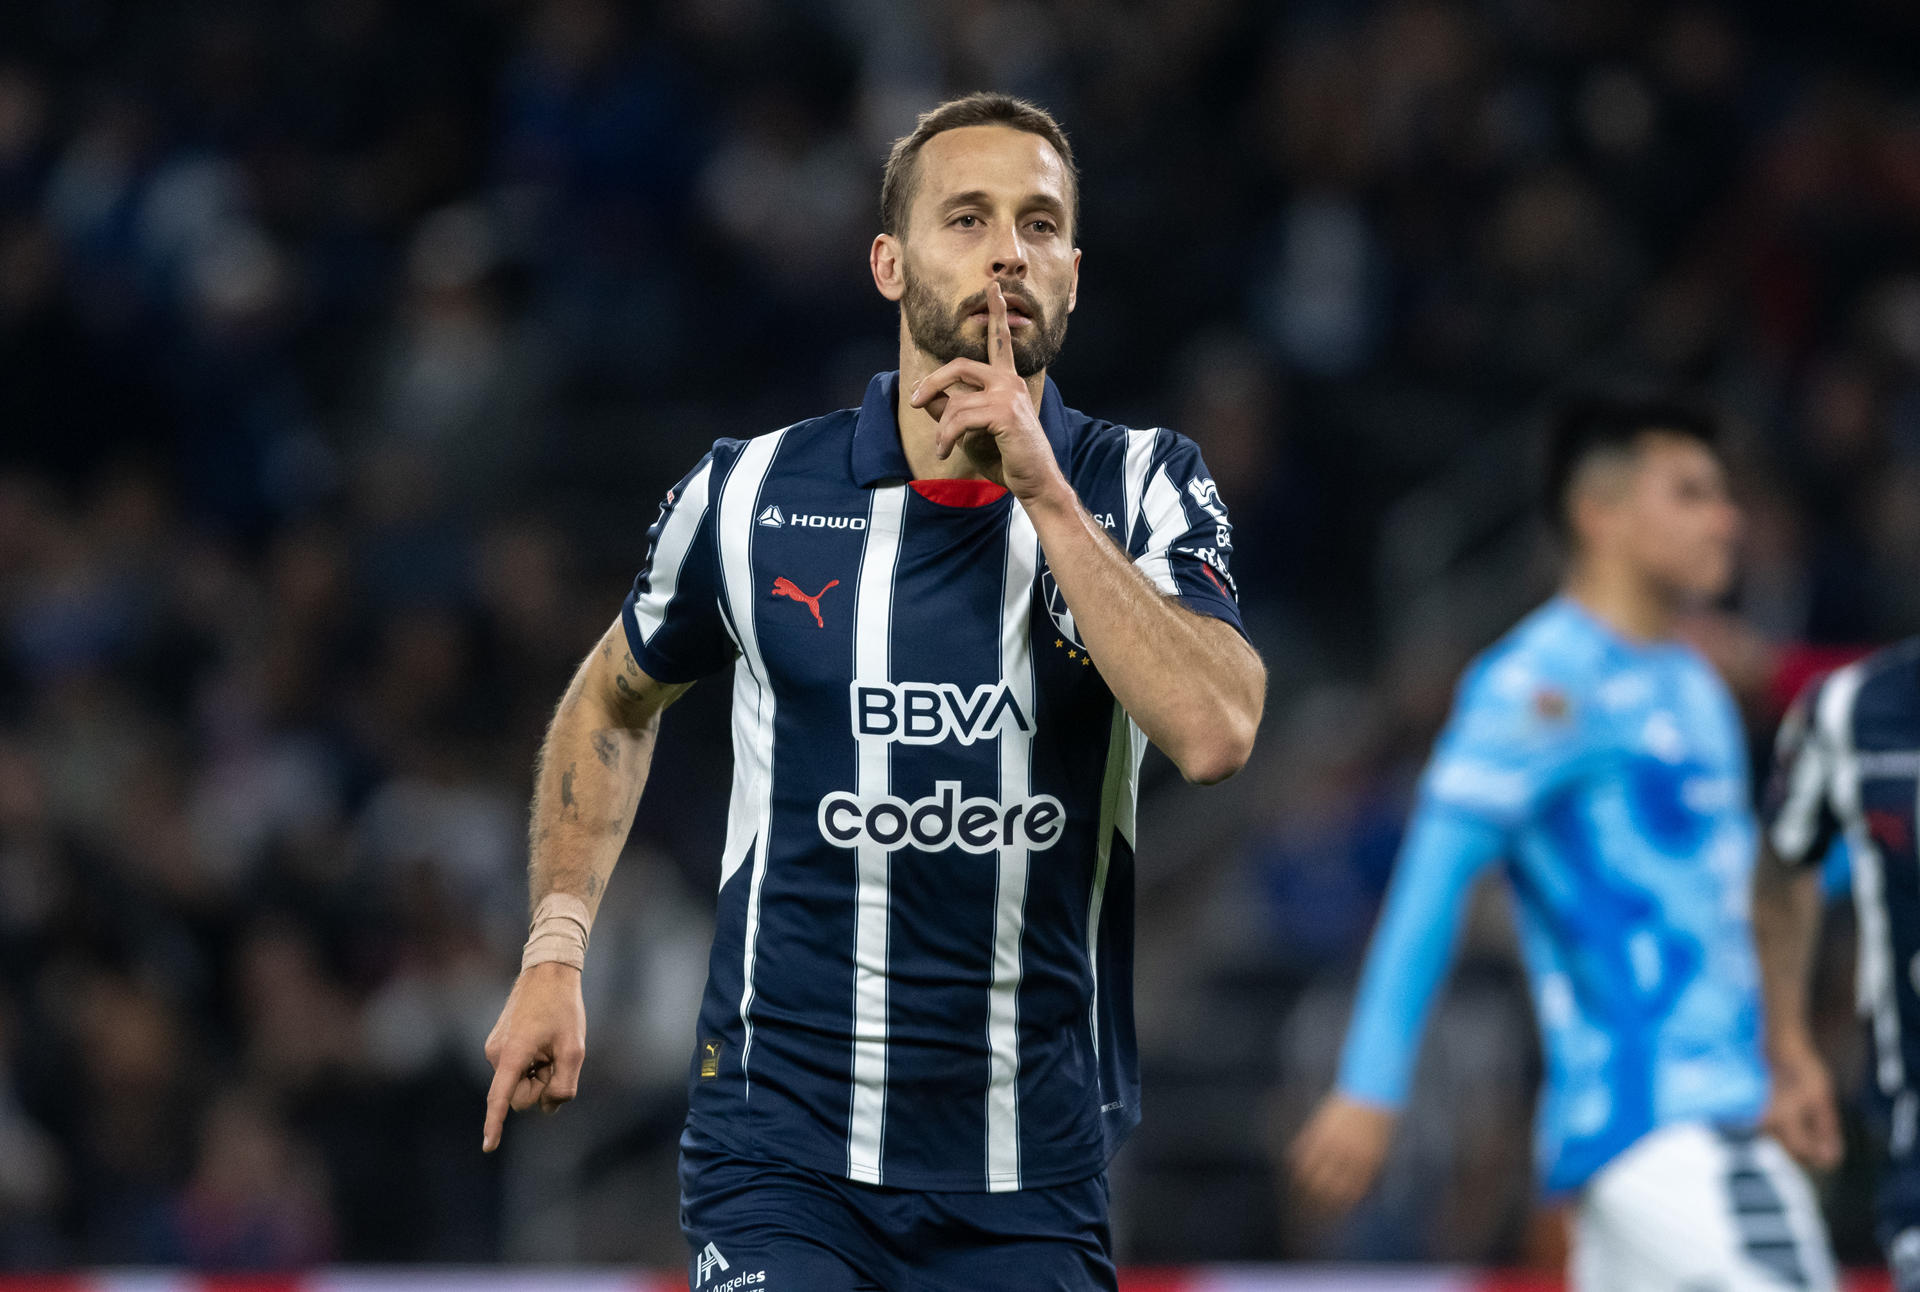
[[1056, 604]]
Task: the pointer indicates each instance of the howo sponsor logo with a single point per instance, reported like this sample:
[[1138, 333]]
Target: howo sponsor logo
[[930, 713], [943, 819], [773, 517]]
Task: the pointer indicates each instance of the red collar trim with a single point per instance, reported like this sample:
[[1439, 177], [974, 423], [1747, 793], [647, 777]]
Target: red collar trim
[[959, 493]]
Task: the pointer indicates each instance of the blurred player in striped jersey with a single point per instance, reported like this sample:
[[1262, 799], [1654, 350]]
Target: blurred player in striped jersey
[[1847, 766], [1602, 762]]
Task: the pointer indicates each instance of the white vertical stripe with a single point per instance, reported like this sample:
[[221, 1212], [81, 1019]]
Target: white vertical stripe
[[1010, 892], [739, 499], [872, 630], [1875, 966], [1116, 784], [1166, 522], [750, 753], [670, 553], [1799, 817], [1134, 481]]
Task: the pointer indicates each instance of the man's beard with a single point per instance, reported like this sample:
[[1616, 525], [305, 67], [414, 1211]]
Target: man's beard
[[942, 332]]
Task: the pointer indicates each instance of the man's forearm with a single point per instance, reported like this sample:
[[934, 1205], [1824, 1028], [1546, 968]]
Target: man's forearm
[[587, 784], [1786, 923], [1411, 950], [1195, 689]]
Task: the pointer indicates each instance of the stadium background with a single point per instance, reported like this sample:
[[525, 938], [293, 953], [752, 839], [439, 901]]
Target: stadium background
[[346, 347]]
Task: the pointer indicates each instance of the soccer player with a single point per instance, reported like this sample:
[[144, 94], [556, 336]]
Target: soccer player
[[1847, 764], [1602, 762], [954, 616]]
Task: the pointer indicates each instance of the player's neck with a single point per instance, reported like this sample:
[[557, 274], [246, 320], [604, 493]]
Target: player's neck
[[918, 427], [1622, 600]]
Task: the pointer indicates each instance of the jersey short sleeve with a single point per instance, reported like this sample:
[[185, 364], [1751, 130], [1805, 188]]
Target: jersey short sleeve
[[1517, 735], [672, 616], [1797, 812], [1189, 540]]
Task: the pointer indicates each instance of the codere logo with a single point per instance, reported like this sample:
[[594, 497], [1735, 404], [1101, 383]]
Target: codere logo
[[941, 820]]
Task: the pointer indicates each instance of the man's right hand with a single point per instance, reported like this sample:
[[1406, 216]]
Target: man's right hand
[[1801, 1113], [1338, 1154], [537, 1047]]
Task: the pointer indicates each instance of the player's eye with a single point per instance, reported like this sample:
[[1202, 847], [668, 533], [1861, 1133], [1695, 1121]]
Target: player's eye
[[966, 221], [1042, 226]]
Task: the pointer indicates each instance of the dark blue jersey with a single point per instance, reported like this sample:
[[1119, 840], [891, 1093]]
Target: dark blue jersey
[[922, 966], [1847, 765]]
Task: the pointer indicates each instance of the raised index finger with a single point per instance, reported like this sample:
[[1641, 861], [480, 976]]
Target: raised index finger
[[999, 335], [505, 1075]]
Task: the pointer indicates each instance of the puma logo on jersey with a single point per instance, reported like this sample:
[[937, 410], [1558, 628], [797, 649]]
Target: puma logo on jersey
[[785, 587]]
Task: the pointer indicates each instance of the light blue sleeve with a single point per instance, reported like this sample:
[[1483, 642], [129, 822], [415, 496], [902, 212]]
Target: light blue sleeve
[[1515, 738], [1412, 946]]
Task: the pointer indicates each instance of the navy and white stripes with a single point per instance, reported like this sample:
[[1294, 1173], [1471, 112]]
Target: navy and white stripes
[[921, 970]]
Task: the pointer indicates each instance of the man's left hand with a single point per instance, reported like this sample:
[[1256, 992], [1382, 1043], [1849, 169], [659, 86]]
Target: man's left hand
[[993, 398]]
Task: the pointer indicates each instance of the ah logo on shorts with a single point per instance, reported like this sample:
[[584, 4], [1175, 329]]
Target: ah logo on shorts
[[707, 1262]]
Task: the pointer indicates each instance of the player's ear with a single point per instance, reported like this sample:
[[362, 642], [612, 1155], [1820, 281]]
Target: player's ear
[[887, 259], [1073, 287], [1592, 517]]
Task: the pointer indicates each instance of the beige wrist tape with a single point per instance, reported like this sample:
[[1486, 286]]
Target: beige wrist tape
[[559, 932]]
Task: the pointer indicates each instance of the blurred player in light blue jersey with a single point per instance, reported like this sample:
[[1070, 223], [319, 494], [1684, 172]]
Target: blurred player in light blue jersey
[[1601, 761]]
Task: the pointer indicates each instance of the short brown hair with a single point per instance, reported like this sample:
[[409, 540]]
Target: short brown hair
[[982, 109]]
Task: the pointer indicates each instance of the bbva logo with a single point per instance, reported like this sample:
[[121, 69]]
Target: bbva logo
[[928, 713]]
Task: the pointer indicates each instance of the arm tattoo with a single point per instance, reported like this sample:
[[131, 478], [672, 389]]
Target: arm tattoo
[[606, 748]]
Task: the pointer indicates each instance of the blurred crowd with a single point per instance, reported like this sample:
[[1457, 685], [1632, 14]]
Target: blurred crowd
[[346, 347]]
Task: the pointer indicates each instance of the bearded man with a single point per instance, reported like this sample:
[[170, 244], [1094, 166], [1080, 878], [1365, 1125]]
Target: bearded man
[[954, 617]]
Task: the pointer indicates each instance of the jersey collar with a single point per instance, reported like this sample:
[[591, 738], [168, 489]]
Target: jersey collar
[[877, 454]]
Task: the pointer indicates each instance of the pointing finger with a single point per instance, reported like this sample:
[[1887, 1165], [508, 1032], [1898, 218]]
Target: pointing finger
[[999, 334], [504, 1077]]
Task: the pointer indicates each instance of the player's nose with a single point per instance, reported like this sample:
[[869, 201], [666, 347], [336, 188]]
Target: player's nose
[[1009, 255]]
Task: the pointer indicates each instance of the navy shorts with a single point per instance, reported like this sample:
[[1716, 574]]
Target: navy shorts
[[1893, 1120], [758, 1226]]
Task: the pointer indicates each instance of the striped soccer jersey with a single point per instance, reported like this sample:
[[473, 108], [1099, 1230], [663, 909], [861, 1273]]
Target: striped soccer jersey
[[1847, 765], [922, 964]]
